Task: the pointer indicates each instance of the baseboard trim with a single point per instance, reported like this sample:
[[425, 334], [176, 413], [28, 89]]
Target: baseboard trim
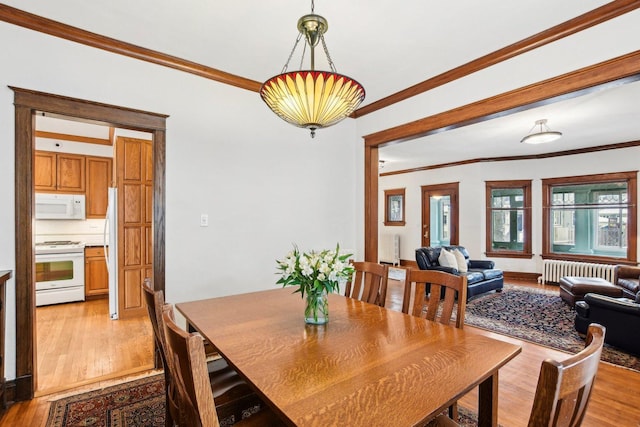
[[519, 275], [9, 393], [23, 389]]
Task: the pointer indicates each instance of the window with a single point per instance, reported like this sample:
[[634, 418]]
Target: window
[[508, 219], [590, 218], [394, 207]]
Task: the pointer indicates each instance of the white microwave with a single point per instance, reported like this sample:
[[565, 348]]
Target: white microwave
[[60, 206]]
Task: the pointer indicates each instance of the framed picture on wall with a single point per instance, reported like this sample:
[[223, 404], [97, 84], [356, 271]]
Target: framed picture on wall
[[394, 207]]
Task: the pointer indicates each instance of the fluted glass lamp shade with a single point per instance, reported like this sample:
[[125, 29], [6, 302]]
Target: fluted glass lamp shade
[[312, 99], [309, 98]]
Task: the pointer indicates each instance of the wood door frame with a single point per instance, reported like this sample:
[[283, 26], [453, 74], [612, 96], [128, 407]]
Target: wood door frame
[[448, 189], [27, 103], [614, 72]]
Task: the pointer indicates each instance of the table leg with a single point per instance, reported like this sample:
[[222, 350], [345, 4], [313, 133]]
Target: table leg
[[488, 402]]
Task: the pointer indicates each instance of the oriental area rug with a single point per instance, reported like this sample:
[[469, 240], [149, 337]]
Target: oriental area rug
[[134, 403], [539, 316], [138, 403]]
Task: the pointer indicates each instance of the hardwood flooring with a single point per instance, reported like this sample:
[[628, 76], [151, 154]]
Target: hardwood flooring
[[78, 344], [615, 400]]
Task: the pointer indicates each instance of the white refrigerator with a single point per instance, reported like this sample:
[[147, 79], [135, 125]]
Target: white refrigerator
[[111, 250]]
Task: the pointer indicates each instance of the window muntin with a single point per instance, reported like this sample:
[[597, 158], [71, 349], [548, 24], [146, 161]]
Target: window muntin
[[508, 218], [591, 218]]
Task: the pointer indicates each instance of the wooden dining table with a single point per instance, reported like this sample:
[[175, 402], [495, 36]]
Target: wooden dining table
[[369, 366]]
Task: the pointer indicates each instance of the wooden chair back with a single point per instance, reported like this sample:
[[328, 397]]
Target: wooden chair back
[[369, 282], [438, 280], [190, 376], [155, 303], [564, 388]]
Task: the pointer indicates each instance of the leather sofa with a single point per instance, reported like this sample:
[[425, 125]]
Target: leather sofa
[[627, 278], [482, 276], [621, 317]]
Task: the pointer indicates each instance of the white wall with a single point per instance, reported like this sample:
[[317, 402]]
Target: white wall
[[472, 177], [263, 183]]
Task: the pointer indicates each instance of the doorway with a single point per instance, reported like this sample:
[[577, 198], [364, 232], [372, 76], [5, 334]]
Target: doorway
[[440, 214], [79, 339], [27, 103]]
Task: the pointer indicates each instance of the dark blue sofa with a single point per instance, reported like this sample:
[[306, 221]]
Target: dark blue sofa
[[482, 275]]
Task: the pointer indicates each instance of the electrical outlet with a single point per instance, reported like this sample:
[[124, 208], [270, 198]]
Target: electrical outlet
[[204, 220]]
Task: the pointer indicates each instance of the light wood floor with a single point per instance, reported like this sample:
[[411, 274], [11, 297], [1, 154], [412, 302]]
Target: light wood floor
[[615, 401], [78, 344]]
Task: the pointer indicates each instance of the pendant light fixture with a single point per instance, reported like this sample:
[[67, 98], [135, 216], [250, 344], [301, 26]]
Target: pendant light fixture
[[308, 98], [543, 135]]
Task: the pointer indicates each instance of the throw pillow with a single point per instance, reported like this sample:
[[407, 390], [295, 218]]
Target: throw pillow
[[461, 260], [447, 259]]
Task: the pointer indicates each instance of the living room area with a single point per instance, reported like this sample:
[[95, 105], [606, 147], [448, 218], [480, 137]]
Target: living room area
[[518, 213]]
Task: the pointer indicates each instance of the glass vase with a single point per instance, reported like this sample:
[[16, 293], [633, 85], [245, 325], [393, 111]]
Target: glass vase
[[316, 310]]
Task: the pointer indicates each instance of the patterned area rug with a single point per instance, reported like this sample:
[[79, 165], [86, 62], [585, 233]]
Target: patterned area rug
[[138, 403], [134, 403], [539, 316], [466, 418]]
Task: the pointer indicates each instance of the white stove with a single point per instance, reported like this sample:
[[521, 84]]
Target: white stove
[[59, 247], [59, 272]]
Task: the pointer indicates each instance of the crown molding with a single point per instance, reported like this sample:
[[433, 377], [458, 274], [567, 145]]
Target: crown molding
[[54, 28], [594, 17], [596, 149]]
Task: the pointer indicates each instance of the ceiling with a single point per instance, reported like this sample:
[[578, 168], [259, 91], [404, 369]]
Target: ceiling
[[605, 117], [386, 46]]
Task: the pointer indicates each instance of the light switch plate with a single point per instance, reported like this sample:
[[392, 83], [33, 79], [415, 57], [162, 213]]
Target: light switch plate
[[204, 220]]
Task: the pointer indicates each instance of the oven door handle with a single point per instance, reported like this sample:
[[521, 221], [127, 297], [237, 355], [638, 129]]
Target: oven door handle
[[53, 257]]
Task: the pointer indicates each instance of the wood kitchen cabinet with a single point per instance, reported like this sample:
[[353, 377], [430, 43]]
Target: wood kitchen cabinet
[[71, 173], [75, 173], [60, 172], [45, 171], [96, 276], [99, 171]]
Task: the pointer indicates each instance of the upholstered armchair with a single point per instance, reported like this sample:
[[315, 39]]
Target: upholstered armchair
[[621, 317], [628, 278]]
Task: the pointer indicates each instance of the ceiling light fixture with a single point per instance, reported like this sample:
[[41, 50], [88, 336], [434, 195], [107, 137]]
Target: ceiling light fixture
[[544, 135], [308, 98]]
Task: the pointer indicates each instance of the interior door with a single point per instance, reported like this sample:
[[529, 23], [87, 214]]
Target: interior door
[[135, 246], [440, 214]]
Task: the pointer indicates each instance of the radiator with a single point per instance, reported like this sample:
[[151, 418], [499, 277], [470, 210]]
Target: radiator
[[553, 270], [389, 248]]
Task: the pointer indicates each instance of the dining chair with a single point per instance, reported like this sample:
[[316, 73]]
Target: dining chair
[[442, 286], [368, 283], [233, 395], [564, 387], [193, 396], [455, 287]]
